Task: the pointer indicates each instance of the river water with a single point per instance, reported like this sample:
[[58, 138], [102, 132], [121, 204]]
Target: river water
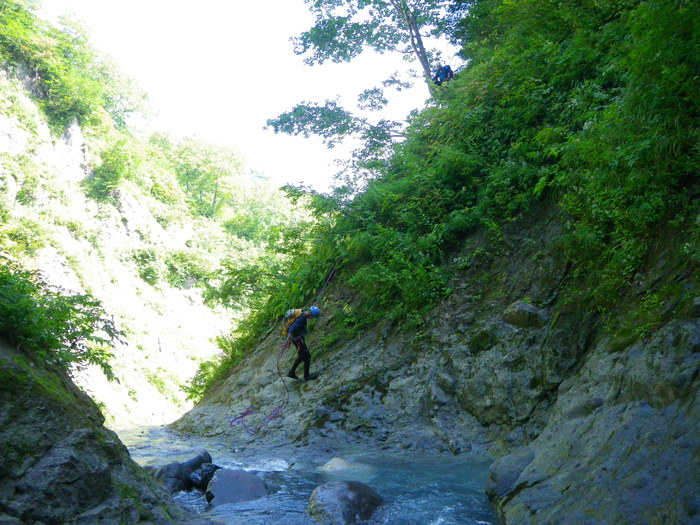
[[418, 489]]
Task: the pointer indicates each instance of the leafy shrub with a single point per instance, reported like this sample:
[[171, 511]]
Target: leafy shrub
[[23, 236], [185, 269], [54, 328], [209, 175], [149, 265], [204, 378], [630, 168], [119, 162]]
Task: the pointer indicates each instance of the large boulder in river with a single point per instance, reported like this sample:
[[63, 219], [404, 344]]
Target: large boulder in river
[[175, 476], [201, 477], [233, 486], [341, 502], [339, 469]]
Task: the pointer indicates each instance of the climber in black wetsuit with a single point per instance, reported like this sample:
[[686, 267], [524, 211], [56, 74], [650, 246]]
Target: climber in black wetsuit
[[297, 331]]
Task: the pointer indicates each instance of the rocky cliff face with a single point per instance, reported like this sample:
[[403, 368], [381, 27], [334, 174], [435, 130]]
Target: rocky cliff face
[[59, 463], [593, 417], [621, 444]]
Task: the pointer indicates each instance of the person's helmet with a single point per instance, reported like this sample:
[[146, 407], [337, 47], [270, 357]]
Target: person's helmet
[[315, 311]]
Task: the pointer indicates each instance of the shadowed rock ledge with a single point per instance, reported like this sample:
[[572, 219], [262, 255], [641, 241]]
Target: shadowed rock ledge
[[60, 464]]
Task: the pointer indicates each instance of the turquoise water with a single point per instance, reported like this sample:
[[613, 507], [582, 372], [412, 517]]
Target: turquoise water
[[418, 489]]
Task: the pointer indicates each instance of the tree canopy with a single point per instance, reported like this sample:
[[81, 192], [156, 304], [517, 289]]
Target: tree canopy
[[72, 80], [345, 28]]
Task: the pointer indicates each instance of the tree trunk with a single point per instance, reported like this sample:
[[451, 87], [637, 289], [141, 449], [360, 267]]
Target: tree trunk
[[416, 40]]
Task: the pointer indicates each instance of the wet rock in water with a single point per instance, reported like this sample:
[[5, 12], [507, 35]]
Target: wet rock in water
[[335, 464], [232, 486], [201, 477], [176, 476], [341, 502], [338, 468]]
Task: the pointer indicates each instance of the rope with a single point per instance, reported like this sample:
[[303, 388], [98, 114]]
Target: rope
[[323, 289], [279, 409], [275, 413]]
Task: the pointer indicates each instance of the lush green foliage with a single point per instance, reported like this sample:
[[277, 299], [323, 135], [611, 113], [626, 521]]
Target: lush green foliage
[[570, 102], [172, 212], [635, 165], [589, 106], [53, 327], [243, 224], [209, 175], [117, 163], [71, 80]]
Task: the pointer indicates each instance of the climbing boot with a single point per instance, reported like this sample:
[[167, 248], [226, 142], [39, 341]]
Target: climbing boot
[[292, 375], [310, 377]]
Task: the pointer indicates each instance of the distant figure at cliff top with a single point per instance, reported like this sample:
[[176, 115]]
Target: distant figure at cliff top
[[442, 74]]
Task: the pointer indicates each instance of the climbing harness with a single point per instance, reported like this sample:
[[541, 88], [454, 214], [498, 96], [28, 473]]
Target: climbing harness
[[279, 409]]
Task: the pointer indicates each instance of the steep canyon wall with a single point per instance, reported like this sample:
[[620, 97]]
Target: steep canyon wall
[[591, 415]]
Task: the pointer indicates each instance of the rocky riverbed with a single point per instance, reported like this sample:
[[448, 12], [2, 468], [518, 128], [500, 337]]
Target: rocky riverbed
[[416, 489]]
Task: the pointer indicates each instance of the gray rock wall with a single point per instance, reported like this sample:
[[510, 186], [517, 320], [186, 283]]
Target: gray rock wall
[[59, 464], [590, 418], [621, 444]]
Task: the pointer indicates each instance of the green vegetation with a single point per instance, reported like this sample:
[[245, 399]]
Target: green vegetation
[[181, 181], [344, 29], [119, 162], [71, 80], [205, 172], [141, 214], [591, 107], [160, 380], [55, 329]]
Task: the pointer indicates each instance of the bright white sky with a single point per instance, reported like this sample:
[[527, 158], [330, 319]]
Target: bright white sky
[[218, 69]]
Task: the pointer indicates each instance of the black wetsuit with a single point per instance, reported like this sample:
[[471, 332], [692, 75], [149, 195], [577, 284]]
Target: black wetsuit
[[296, 332]]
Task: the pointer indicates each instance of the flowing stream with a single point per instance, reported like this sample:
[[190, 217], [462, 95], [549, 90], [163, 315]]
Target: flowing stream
[[418, 489]]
